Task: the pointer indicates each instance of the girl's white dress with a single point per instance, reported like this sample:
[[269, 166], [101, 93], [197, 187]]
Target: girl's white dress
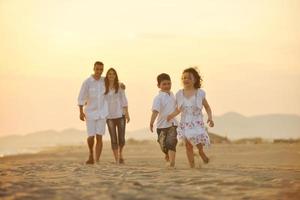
[[191, 126]]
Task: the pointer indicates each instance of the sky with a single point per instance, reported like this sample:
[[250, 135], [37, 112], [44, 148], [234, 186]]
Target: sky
[[248, 53]]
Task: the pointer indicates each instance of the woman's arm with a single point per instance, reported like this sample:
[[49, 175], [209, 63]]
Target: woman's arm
[[209, 113], [125, 110]]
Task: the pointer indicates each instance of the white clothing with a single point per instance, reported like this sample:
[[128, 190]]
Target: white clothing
[[164, 104]]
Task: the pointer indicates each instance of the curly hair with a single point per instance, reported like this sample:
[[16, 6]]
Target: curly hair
[[196, 75]]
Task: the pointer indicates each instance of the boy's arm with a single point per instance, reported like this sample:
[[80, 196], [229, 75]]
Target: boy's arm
[[174, 114], [209, 113], [153, 117]]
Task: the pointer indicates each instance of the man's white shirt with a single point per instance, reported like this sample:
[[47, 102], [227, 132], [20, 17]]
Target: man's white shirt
[[91, 96]]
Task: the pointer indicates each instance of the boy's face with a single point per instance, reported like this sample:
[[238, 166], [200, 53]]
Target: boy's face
[[165, 85], [98, 70]]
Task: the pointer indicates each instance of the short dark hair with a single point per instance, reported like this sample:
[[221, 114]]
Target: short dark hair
[[163, 77], [98, 63]]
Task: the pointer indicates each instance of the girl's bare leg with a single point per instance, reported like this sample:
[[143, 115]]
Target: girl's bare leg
[[190, 153], [202, 154]]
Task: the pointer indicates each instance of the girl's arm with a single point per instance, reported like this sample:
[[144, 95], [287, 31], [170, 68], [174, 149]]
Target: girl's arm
[[153, 117], [209, 113], [174, 114]]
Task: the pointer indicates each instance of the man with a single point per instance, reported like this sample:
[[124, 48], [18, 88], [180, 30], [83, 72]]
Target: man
[[91, 97]]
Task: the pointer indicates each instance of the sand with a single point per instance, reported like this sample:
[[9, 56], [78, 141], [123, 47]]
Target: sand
[[263, 171]]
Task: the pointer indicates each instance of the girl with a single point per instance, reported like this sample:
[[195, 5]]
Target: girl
[[118, 113], [190, 101]]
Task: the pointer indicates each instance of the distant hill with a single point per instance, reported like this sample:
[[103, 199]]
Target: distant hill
[[273, 126], [230, 125]]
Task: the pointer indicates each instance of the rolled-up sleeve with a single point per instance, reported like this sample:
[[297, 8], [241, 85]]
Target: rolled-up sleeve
[[124, 101], [83, 94]]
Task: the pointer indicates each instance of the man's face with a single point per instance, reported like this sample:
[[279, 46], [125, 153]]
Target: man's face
[[98, 70], [165, 85]]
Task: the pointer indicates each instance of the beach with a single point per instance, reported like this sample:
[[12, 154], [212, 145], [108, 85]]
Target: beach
[[236, 171]]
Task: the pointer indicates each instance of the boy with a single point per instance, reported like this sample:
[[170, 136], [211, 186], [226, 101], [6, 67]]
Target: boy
[[163, 105]]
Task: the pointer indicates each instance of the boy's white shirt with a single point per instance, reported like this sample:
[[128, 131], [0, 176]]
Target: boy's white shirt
[[164, 104], [91, 96]]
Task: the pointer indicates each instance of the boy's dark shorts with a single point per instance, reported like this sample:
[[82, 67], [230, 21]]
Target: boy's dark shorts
[[167, 138]]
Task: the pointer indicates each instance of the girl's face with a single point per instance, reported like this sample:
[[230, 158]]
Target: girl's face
[[111, 75], [188, 80]]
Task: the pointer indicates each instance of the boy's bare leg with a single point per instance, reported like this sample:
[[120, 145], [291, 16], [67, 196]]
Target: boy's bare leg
[[202, 154], [190, 153], [172, 155], [167, 158], [98, 147], [90, 141]]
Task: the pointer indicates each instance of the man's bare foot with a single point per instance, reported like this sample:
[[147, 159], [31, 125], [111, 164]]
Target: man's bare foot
[[90, 161], [171, 167]]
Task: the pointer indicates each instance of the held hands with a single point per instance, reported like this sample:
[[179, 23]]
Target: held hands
[[210, 122], [82, 116], [170, 117]]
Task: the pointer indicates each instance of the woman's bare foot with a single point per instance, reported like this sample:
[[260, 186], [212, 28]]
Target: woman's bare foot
[[121, 161], [90, 161]]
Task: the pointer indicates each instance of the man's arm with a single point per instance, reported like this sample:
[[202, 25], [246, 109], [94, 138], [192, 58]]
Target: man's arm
[[81, 115], [82, 97]]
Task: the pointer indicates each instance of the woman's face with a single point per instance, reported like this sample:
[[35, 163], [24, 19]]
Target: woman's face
[[188, 79], [111, 75]]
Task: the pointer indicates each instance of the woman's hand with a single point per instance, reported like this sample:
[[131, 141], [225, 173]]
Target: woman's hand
[[127, 117]]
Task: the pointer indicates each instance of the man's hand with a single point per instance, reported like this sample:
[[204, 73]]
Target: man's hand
[[122, 86], [210, 122], [82, 116]]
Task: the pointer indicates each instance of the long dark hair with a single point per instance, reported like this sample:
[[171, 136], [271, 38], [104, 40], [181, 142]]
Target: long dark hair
[[116, 82], [195, 73]]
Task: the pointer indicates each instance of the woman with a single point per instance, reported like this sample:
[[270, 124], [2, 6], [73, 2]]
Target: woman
[[118, 113]]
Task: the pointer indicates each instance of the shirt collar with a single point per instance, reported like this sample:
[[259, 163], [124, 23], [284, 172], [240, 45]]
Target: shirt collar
[[165, 93]]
